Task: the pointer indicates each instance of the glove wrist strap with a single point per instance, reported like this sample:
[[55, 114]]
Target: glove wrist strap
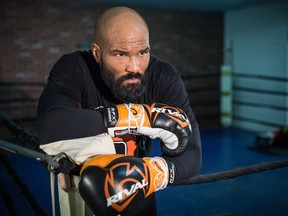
[[171, 171]]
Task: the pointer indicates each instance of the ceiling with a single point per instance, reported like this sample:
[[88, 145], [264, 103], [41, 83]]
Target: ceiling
[[195, 5]]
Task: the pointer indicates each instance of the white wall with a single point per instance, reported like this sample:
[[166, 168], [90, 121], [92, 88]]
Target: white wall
[[258, 37]]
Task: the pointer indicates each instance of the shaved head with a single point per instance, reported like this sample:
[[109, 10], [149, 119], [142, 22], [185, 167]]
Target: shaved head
[[118, 20]]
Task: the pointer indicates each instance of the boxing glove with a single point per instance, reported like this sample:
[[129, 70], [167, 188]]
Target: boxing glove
[[169, 124], [114, 184]]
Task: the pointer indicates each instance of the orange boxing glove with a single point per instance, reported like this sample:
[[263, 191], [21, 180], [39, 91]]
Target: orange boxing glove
[[113, 184], [169, 124]]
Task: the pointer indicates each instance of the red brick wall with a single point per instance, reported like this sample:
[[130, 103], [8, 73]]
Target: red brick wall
[[34, 34]]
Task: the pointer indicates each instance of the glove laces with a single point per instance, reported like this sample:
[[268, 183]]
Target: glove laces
[[138, 117]]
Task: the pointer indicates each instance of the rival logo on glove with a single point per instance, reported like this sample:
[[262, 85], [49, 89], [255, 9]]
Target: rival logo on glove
[[125, 193], [132, 187], [170, 112], [174, 113]]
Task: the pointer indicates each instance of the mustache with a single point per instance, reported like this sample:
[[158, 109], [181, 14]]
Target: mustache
[[131, 76]]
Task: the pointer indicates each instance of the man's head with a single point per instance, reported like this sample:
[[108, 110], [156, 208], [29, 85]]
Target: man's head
[[123, 51]]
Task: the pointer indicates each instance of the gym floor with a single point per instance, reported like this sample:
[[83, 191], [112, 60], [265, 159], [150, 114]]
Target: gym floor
[[25, 184]]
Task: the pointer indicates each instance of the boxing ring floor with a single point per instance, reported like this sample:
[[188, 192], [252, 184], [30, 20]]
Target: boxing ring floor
[[260, 194]]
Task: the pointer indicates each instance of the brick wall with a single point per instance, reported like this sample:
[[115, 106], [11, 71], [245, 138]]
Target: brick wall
[[34, 34]]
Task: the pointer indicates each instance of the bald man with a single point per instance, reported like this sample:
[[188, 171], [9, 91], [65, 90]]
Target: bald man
[[118, 69]]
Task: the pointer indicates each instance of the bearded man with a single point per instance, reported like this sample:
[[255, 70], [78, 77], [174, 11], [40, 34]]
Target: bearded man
[[120, 91]]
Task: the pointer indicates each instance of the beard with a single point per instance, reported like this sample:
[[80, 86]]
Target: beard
[[129, 93]]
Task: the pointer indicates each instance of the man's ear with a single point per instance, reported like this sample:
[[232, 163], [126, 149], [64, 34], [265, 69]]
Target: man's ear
[[96, 51]]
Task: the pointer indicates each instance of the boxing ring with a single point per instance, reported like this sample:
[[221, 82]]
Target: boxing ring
[[189, 197]]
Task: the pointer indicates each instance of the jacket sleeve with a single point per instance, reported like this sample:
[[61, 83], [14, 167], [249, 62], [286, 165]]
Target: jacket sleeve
[[189, 163], [59, 113], [173, 92]]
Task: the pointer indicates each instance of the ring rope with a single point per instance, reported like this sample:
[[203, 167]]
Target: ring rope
[[28, 141], [233, 173]]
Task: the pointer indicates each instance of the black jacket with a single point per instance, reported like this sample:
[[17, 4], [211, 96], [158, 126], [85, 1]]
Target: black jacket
[[75, 88]]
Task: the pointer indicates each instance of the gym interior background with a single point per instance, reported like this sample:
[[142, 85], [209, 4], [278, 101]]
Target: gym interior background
[[233, 58]]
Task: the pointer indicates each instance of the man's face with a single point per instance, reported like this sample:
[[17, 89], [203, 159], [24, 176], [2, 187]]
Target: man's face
[[123, 60]]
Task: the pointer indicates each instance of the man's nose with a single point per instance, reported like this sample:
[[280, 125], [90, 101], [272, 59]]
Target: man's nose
[[133, 65]]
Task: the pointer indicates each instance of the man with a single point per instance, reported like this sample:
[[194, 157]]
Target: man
[[119, 69]]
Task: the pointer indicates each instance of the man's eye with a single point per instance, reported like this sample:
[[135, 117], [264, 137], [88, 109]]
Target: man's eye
[[120, 54], [144, 52]]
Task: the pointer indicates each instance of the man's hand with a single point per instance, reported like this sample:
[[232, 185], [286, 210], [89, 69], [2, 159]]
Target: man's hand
[[169, 124], [112, 184]]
